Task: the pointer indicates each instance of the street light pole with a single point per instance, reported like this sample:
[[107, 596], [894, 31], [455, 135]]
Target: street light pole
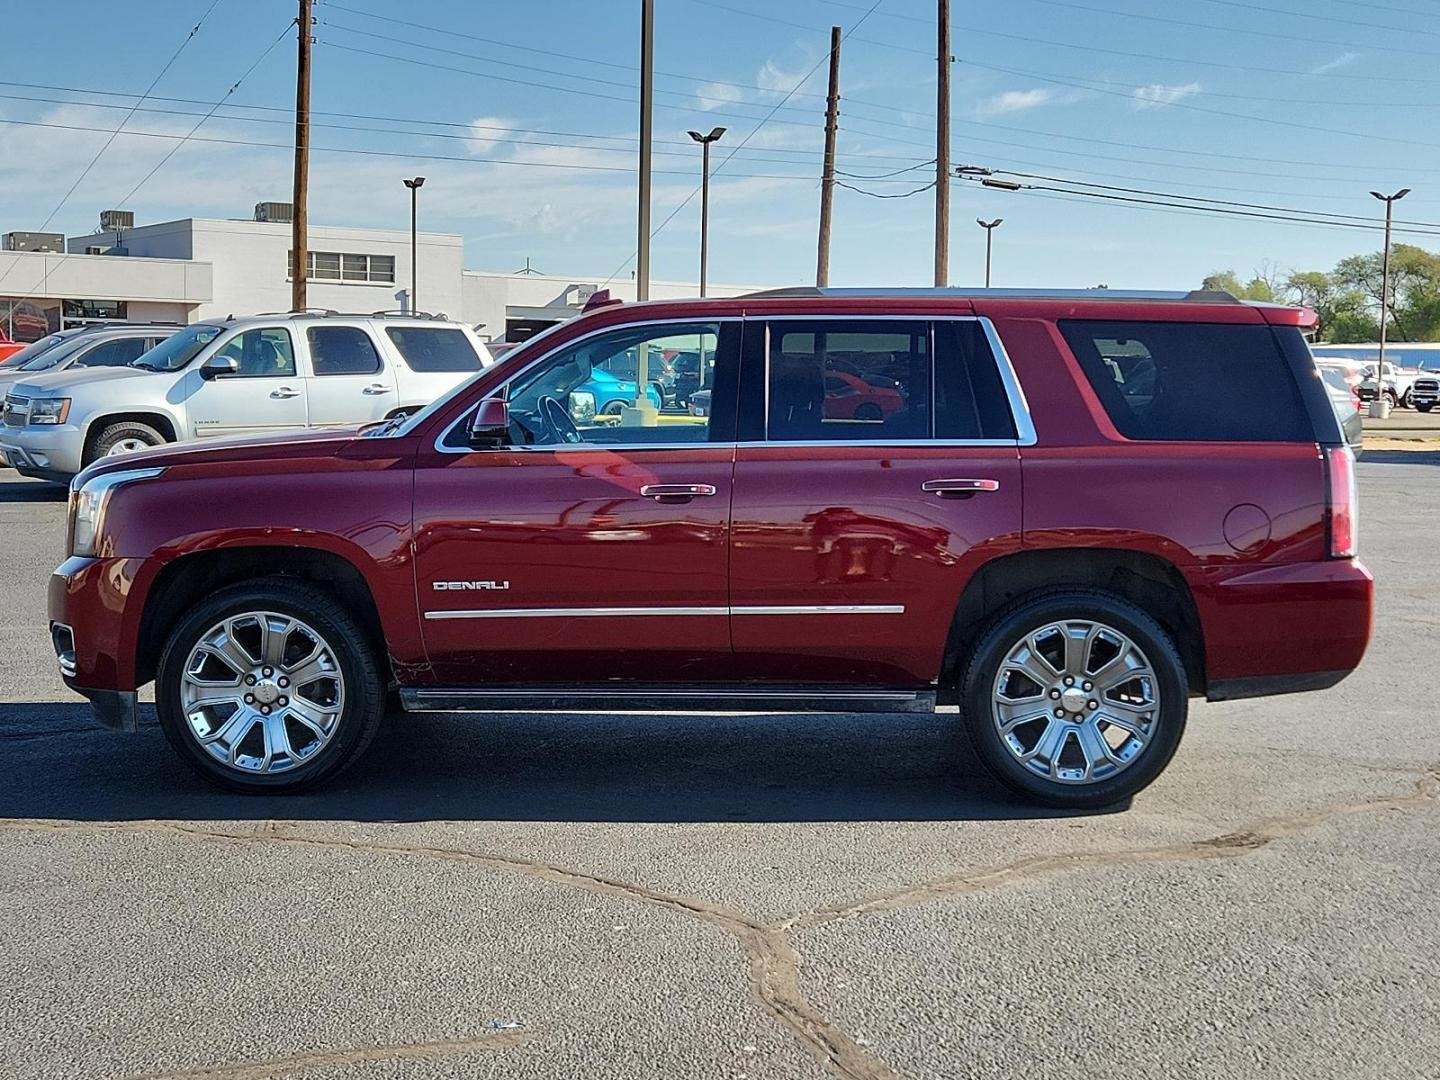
[[705, 141], [989, 227], [414, 186], [1389, 201]]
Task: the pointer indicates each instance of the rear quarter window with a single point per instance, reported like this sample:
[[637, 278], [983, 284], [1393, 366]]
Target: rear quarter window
[[1191, 382], [434, 348]]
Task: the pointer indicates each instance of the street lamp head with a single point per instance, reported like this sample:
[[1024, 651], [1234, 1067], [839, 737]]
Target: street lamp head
[[988, 224], [1392, 198], [715, 134], [415, 183]]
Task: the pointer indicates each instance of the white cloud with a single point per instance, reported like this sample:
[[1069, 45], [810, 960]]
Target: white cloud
[[1148, 97], [487, 133], [713, 96], [1015, 101], [1345, 59]]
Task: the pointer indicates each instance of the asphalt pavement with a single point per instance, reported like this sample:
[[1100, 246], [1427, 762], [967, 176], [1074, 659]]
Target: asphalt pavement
[[701, 896]]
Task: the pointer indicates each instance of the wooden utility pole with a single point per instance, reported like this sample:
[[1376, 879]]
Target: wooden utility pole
[[299, 239], [647, 99], [942, 151], [827, 183]]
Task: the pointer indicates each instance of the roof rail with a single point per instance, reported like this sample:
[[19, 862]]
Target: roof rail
[[1195, 296]]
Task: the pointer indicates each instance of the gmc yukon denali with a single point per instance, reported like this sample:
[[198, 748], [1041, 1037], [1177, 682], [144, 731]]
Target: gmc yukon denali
[[1066, 513]]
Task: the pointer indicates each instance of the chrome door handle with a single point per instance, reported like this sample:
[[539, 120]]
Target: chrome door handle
[[960, 488], [284, 392], [376, 388], [676, 492]]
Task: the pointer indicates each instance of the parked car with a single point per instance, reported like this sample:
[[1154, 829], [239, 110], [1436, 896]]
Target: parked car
[[1426, 392], [1186, 526], [111, 346], [610, 394], [28, 352], [700, 403], [273, 374], [1347, 405], [1404, 363]]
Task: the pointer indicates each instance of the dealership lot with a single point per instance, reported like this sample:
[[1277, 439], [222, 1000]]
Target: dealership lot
[[693, 895]]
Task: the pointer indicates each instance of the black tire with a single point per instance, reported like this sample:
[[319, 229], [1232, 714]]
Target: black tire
[[365, 685], [112, 434], [614, 408], [869, 411], [1031, 613], [1426, 407]]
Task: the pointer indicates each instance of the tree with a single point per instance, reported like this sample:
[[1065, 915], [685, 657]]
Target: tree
[[1257, 288]]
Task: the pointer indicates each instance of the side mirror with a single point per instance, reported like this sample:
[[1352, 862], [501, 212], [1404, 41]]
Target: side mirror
[[490, 426], [218, 365], [582, 406]]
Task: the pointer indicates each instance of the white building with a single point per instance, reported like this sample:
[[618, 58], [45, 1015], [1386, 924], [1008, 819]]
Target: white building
[[199, 268]]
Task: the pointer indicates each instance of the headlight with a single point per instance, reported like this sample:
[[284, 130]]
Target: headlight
[[49, 410], [87, 506]]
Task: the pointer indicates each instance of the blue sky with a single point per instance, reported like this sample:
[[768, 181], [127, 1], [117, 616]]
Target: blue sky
[[523, 118]]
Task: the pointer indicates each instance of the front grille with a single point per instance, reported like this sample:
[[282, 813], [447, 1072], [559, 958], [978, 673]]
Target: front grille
[[17, 411]]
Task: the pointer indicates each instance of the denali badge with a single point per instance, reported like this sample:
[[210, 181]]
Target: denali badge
[[451, 586]]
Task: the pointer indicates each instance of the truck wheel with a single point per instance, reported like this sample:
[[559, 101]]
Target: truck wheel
[[122, 438], [1075, 698], [269, 686]]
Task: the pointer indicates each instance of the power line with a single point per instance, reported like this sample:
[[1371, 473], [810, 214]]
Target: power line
[[213, 109], [882, 195], [1287, 36], [1221, 210], [124, 120], [824, 59]]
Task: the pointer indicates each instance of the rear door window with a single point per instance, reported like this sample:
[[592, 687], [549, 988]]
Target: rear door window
[[116, 353], [1191, 382], [341, 350], [434, 348]]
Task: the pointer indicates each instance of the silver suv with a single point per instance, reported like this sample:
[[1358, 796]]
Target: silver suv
[[258, 375]]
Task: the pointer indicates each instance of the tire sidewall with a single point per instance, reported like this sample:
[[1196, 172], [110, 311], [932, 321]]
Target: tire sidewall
[[1027, 616], [364, 691], [115, 432]]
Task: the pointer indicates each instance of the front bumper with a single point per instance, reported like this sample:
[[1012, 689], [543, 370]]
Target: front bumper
[[43, 452], [94, 628]]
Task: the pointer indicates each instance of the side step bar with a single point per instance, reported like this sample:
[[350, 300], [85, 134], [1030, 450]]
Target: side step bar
[[796, 699]]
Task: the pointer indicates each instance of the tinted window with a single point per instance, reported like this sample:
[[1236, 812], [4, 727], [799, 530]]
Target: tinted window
[[970, 399], [176, 351], [1191, 381], [848, 380], [262, 354], [114, 353], [434, 348], [342, 350]]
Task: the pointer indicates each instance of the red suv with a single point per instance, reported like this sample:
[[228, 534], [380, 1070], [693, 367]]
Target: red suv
[[1075, 511]]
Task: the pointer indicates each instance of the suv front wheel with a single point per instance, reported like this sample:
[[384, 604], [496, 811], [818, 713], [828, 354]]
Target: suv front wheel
[[269, 686], [1075, 698]]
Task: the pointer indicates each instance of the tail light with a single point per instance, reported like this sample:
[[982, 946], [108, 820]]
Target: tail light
[[1344, 508]]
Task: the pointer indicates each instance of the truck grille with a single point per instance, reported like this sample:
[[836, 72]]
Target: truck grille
[[17, 411]]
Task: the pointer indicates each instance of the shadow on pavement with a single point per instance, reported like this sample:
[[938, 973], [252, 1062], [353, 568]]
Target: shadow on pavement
[[18, 491], [531, 767], [1400, 457]]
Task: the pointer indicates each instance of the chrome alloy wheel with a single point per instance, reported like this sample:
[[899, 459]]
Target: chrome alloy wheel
[[1075, 702], [262, 692], [127, 446]]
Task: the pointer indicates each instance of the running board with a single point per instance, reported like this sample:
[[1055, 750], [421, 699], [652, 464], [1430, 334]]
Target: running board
[[796, 699]]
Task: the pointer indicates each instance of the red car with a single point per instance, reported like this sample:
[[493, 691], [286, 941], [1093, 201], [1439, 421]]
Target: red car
[[1092, 507], [8, 348]]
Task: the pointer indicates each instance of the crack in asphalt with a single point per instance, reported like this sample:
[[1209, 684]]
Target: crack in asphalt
[[1225, 846], [774, 963], [262, 1070]]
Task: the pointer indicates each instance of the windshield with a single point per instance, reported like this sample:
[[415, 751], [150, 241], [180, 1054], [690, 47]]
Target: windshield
[[56, 355], [174, 353], [31, 351]]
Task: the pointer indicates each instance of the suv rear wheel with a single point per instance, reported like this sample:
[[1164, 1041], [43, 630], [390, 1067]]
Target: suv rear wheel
[[269, 686], [1075, 698]]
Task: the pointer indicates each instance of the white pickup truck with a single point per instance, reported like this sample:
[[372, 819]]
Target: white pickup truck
[[249, 376]]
